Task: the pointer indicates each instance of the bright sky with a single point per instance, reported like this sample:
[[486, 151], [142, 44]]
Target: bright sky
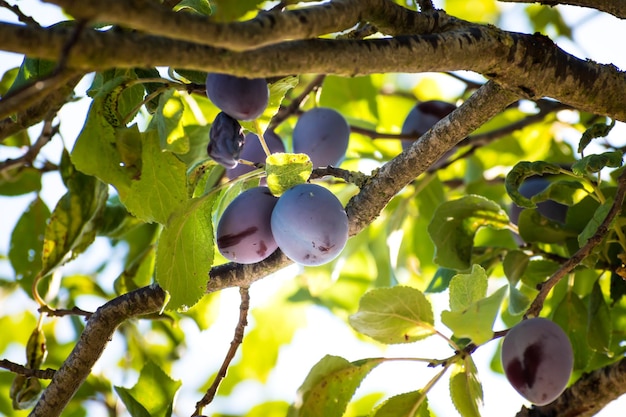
[[598, 36]]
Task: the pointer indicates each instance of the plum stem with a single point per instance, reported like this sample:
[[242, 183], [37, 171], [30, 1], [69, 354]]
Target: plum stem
[[266, 149]]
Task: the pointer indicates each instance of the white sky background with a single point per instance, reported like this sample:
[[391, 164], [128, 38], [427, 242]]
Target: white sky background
[[597, 36]]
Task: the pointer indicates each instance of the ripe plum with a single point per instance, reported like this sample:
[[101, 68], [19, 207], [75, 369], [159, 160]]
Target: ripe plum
[[424, 116], [322, 133], [244, 234], [309, 224], [537, 358], [240, 98], [225, 140], [253, 151]]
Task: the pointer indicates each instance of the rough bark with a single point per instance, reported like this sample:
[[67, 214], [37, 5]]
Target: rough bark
[[91, 344], [267, 28], [530, 65]]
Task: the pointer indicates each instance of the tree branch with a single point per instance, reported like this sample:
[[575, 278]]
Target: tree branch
[[268, 27], [28, 372], [37, 110], [98, 332], [587, 396], [485, 103], [529, 65], [616, 8]]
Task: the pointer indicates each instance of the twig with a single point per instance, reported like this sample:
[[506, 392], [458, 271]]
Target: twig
[[28, 20], [22, 370], [582, 253], [353, 177], [60, 312], [47, 132], [234, 345]]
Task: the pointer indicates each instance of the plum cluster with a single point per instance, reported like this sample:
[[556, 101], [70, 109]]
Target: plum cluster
[[307, 222], [321, 133], [238, 99], [538, 359]]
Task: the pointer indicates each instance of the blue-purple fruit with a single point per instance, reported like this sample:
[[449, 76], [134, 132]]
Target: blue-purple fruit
[[537, 358], [309, 224], [244, 234]]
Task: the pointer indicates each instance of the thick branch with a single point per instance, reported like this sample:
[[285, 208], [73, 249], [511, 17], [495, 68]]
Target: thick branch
[[266, 28], [529, 65], [484, 104], [587, 396], [616, 8], [98, 331]]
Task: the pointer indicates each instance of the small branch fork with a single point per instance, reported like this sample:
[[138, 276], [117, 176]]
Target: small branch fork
[[234, 345], [582, 253], [47, 132]]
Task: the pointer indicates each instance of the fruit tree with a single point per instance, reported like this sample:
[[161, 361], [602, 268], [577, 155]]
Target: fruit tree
[[337, 208]]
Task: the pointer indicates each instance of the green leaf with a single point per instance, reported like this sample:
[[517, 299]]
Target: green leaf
[[185, 253], [520, 172], [99, 150], [197, 77], [278, 90], [8, 78], [20, 180], [599, 323], [286, 170], [514, 265], [26, 243], [352, 97], [152, 395], [518, 301], [394, 315], [226, 10], [25, 392], [466, 289], [533, 227], [162, 187], [594, 163], [465, 388], [476, 321], [30, 70], [598, 217], [538, 271], [330, 385], [560, 191], [572, 315], [455, 224], [74, 221], [597, 130], [200, 6], [441, 280], [169, 123], [409, 404]]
